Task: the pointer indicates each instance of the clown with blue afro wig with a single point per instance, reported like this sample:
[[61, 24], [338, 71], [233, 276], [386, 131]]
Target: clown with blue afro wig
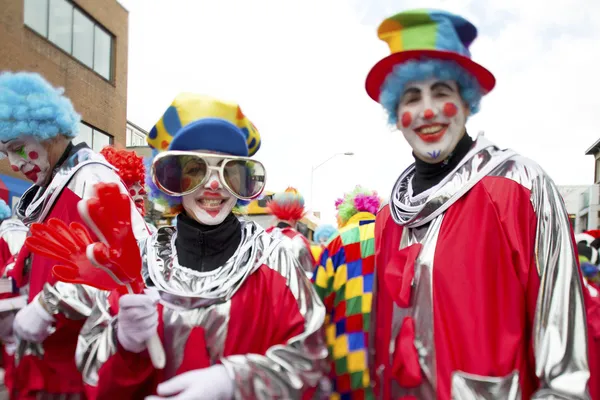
[[323, 233], [37, 123]]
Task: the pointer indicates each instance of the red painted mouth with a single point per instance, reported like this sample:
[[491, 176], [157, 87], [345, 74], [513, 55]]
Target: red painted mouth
[[211, 202], [431, 133], [32, 174]]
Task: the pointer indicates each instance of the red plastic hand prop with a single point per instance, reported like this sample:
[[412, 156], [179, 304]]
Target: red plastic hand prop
[[68, 245]]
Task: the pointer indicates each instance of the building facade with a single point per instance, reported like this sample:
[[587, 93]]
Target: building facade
[[80, 45], [582, 203]]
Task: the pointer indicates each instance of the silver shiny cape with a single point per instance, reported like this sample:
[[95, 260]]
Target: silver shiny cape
[[560, 329], [298, 247], [193, 299]]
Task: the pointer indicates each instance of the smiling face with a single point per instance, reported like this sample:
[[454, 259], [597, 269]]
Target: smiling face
[[211, 203], [432, 117], [28, 156], [137, 193]]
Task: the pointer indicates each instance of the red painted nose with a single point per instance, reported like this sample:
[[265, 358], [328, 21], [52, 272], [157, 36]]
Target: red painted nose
[[214, 185], [428, 114]]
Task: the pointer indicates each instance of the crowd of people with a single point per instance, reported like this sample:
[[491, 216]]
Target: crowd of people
[[465, 283]]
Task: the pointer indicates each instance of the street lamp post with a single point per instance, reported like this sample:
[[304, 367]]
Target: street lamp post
[[312, 173]]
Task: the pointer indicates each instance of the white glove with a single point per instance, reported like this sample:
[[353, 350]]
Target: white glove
[[137, 320], [212, 383], [33, 323]]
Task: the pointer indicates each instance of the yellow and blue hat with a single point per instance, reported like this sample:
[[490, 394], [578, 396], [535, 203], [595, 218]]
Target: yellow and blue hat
[[197, 122], [417, 34]]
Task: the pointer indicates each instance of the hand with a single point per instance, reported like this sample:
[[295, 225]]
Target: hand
[[137, 320], [211, 383], [33, 323]]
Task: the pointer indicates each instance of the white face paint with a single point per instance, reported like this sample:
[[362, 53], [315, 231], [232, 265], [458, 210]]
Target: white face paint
[[432, 117], [28, 156], [211, 203], [137, 193]]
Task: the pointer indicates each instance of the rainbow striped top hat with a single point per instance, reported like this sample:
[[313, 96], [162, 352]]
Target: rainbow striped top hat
[[197, 122], [433, 34]]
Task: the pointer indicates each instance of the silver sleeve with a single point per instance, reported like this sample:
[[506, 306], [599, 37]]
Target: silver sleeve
[[560, 328], [72, 300], [288, 370], [97, 340]]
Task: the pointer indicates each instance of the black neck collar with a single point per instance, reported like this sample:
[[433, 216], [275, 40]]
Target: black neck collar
[[206, 247], [428, 175]]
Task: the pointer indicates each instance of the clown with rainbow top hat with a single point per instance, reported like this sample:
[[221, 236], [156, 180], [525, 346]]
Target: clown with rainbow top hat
[[288, 209], [478, 292], [235, 312]]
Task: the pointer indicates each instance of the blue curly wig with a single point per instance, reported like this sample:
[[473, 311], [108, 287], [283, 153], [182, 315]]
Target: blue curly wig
[[172, 203], [29, 105], [5, 211], [414, 71], [326, 232]]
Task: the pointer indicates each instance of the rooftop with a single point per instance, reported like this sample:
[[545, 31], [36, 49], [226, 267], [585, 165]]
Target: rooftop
[[594, 149]]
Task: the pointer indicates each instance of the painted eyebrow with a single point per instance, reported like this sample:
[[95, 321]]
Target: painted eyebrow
[[442, 85], [410, 90]]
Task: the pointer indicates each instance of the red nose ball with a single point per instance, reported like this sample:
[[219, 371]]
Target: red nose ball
[[214, 185], [428, 114]]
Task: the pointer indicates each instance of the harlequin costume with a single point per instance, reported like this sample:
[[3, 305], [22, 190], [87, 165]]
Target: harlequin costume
[[288, 208], [33, 114], [344, 281], [478, 292], [131, 170], [237, 316]]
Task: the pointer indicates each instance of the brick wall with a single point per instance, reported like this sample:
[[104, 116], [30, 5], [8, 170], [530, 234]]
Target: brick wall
[[101, 104]]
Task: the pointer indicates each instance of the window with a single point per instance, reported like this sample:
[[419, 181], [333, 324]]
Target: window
[[70, 29], [134, 138], [93, 137], [597, 176]]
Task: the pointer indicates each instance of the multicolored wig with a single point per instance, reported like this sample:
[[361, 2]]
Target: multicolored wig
[[414, 71], [131, 168], [287, 206], [5, 211], [29, 105], [324, 233], [358, 200]]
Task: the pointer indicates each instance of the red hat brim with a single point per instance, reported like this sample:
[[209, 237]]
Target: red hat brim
[[380, 71]]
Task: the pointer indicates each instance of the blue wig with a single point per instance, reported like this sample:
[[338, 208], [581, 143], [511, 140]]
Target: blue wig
[[414, 71], [326, 232], [5, 211], [29, 105]]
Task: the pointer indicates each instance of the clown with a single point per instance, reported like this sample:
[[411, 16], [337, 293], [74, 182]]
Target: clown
[[321, 236], [344, 281], [131, 170], [288, 208], [37, 124], [475, 263], [237, 316]]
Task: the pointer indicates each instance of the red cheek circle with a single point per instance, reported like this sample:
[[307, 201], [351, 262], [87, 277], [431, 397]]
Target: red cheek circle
[[14, 168], [406, 119], [132, 192], [450, 110], [185, 183], [33, 155]]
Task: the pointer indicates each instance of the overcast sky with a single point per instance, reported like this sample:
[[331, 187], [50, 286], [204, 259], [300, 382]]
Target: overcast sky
[[297, 67]]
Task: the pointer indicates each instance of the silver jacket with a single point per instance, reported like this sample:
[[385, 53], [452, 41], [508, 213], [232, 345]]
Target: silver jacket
[[192, 299], [560, 329], [79, 173]]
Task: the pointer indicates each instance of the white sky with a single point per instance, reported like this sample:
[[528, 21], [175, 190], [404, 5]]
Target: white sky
[[298, 67]]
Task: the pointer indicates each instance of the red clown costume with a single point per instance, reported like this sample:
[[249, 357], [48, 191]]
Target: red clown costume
[[478, 292], [237, 317], [131, 170], [37, 124], [288, 208]]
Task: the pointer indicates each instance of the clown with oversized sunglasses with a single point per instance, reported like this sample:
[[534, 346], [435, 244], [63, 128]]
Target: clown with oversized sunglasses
[[239, 319]]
